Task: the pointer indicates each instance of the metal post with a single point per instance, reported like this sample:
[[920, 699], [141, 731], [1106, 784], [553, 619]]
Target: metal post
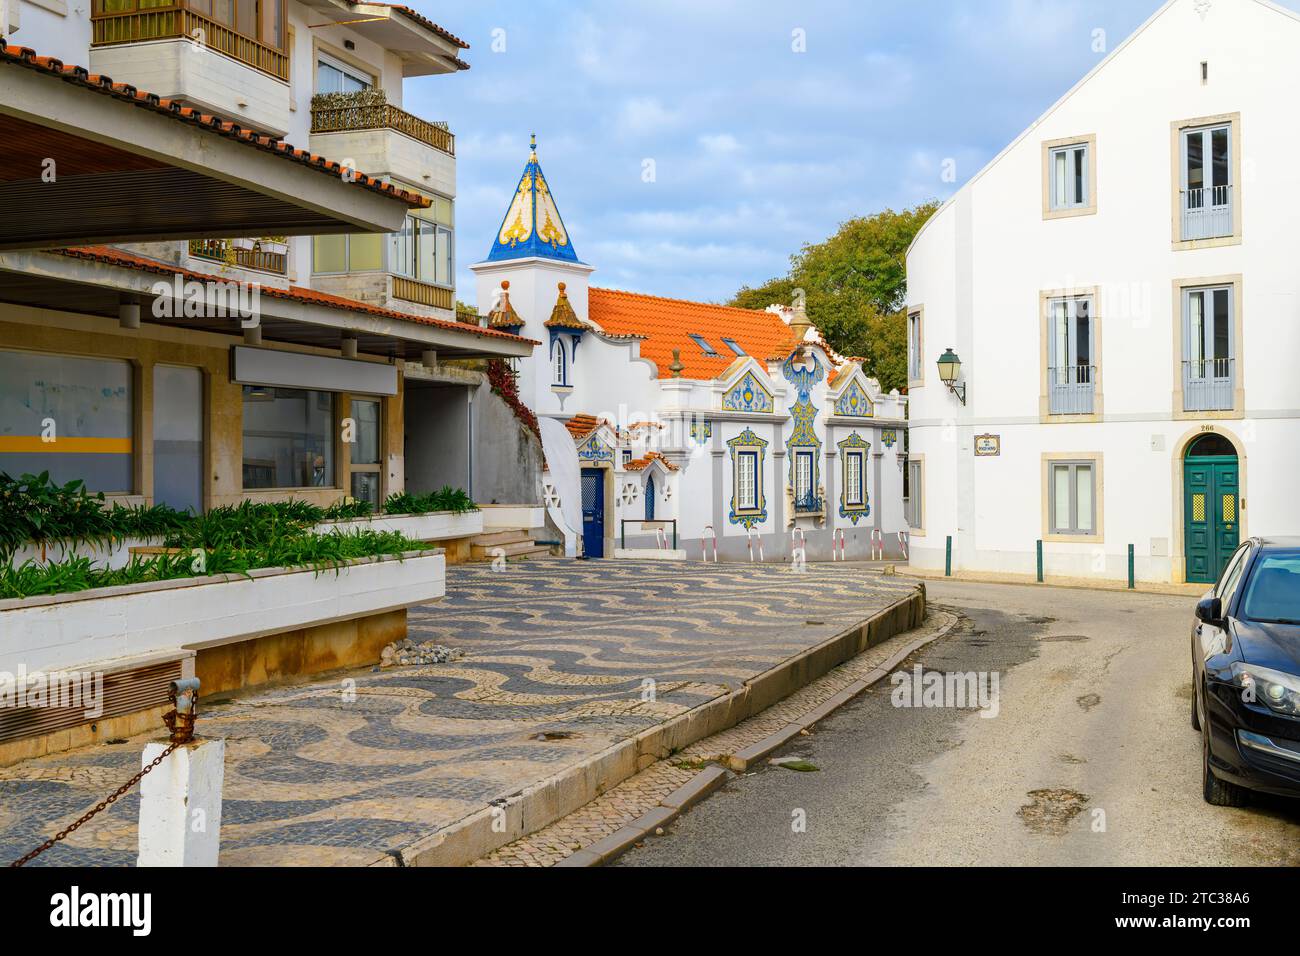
[[1132, 577], [947, 564], [1040, 562]]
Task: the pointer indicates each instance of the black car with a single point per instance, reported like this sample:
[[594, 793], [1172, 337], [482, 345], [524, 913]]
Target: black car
[[1246, 675]]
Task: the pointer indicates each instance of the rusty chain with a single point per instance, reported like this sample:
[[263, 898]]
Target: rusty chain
[[181, 726]]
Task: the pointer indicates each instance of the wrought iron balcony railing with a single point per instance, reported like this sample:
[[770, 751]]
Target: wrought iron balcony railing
[[370, 109], [808, 504]]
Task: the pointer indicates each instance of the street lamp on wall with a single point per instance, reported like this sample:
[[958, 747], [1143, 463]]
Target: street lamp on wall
[[949, 372]]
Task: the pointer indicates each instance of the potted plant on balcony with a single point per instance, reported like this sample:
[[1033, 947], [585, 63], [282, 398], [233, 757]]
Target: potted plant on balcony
[[273, 245]]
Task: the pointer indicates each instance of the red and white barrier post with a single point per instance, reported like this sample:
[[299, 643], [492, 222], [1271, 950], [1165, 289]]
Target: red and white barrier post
[[704, 548], [903, 544], [877, 545]]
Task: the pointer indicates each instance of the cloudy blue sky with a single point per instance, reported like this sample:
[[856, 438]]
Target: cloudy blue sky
[[757, 148]]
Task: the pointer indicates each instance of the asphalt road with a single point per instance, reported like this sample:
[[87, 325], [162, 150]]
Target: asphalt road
[[1090, 760]]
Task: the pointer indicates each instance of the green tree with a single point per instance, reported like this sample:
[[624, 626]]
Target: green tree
[[856, 287]]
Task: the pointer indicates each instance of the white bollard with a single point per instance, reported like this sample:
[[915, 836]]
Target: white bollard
[[180, 805]]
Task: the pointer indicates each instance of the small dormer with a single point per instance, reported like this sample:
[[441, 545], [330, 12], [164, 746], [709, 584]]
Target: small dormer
[[566, 331], [503, 315]]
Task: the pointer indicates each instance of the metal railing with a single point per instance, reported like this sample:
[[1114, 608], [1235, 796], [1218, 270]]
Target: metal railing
[[412, 290], [1208, 384], [807, 504], [1071, 389], [178, 23], [1207, 213], [224, 250], [369, 109]]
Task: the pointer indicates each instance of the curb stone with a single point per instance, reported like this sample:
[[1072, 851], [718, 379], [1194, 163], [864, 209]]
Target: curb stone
[[712, 778]]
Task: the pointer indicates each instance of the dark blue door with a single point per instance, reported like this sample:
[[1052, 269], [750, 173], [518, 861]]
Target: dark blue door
[[593, 512]]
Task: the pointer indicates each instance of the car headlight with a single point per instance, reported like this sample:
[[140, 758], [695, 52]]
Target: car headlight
[[1278, 691]]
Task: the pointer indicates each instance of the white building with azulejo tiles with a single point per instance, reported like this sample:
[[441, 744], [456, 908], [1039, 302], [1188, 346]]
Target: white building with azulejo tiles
[[666, 422]]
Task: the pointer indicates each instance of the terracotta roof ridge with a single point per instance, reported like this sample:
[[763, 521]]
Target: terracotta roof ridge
[[706, 305]]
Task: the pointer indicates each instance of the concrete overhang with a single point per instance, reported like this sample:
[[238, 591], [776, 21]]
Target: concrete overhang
[[74, 283], [423, 47], [87, 161]]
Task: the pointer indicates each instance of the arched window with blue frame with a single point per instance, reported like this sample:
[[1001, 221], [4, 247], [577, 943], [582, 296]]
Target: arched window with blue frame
[[559, 363], [650, 498]]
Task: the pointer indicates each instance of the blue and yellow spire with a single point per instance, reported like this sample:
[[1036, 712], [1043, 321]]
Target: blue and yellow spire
[[532, 225]]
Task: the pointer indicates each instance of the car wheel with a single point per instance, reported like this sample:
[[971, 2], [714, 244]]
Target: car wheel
[[1218, 793], [1196, 697]]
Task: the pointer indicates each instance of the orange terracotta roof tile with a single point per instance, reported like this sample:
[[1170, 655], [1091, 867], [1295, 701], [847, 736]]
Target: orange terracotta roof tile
[[504, 315], [80, 76], [580, 426], [126, 260], [641, 464], [667, 324], [563, 316]]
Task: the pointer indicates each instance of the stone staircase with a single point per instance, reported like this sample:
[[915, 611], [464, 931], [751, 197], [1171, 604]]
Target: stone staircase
[[516, 546]]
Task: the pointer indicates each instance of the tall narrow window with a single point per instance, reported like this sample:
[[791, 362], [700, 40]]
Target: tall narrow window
[[914, 344], [559, 364], [1207, 186], [1209, 349], [747, 480], [1071, 361], [650, 498], [1072, 487], [854, 493], [805, 496], [914, 493]]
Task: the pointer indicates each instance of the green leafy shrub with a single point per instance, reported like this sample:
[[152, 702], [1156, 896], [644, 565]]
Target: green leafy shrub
[[35, 509], [446, 498], [321, 552]]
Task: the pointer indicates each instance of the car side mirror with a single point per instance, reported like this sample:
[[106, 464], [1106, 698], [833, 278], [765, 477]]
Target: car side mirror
[[1210, 611]]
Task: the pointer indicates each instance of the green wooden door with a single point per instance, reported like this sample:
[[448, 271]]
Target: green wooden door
[[1211, 516]]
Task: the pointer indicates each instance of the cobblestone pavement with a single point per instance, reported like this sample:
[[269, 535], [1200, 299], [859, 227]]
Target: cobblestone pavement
[[641, 793], [557, 653]]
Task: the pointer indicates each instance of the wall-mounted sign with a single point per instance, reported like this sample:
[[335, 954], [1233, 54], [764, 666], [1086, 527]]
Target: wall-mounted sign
[[988, 446]]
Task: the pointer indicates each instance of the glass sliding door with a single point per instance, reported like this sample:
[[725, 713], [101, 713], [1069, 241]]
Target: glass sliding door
[[178, 437]]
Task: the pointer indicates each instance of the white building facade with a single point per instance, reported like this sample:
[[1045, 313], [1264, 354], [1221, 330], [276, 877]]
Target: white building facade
[[689, 426], [1118, 289]]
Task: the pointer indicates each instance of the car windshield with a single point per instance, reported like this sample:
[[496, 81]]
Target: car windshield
[[1273, 591]]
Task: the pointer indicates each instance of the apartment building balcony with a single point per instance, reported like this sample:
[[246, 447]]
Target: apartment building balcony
[[389, 291], [269, 255], [1207, 213], [182, 50], [1209, 385], [384, 138], [1072, 389]]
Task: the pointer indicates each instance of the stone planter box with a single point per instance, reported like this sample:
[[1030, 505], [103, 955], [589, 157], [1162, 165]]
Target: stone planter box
[[513, 517], [113, 555], [438, 526], [109, 625]]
